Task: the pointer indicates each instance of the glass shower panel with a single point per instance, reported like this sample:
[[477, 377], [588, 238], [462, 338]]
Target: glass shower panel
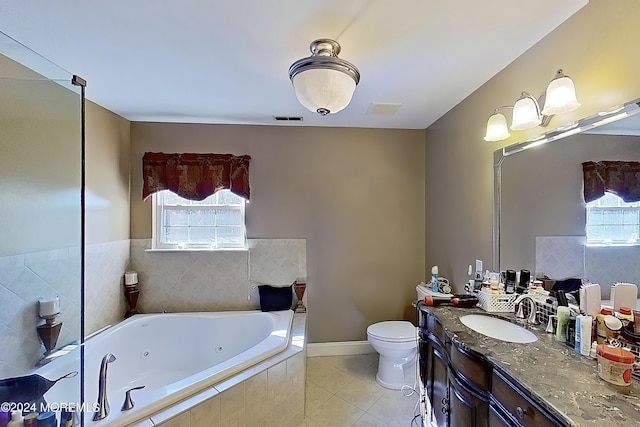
[[41, 247]]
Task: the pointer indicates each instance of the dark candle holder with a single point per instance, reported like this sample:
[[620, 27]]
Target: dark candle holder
[[49, 332], [299, 288], [131, 293]]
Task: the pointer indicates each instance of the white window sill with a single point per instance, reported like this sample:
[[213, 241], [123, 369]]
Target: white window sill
[[612, 245], [199, 250]]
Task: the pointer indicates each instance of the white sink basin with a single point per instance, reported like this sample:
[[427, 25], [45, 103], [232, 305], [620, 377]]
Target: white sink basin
[[497, 328]]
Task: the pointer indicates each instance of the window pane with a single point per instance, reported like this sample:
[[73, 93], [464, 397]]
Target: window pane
[[172, 199], [594, 232], [202, 217], [594, 216], [176, 217], [630, 216], [230, 236], [612, 216], [176, 234], [209, 201], [198, 223], [228, 198], [203, 235], [228, 217]]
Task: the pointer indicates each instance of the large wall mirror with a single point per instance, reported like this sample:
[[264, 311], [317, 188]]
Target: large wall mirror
[[540, 212]]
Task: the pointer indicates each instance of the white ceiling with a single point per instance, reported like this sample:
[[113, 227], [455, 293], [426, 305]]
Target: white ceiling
[[227, 62]]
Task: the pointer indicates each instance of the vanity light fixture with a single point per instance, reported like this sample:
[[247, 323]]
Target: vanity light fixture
[[323, 82], [560, 97]]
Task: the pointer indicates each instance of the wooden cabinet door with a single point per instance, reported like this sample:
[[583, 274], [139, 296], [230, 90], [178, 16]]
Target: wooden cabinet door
[[466, 408], [434, 377]]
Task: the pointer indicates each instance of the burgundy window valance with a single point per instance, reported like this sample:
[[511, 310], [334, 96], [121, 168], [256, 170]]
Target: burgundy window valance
[[195, 176], [616, 177]]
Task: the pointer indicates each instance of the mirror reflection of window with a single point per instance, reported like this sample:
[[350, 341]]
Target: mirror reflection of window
[[611, 221]]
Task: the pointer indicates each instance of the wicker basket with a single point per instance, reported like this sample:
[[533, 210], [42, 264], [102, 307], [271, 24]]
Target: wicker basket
[[497, 303], [502, 303]]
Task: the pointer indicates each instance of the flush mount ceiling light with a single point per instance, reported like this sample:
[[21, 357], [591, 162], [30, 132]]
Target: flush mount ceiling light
[[323, 82], [560, 97]]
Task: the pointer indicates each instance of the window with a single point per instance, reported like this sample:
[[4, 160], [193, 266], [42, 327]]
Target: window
[[213, 223], [611, 221]]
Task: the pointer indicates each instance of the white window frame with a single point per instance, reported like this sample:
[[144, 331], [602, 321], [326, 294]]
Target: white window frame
[[621, 207], [159, 243]]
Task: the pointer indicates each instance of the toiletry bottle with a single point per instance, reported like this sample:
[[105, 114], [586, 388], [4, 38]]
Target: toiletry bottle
[[594, 348], [578, 335], [523, 282], [510, 282], [625, 313], [434, 279], [16, 419], [570, 337], [47, 419], [586, 327], [563, 319], [31, 419], [600, 326]]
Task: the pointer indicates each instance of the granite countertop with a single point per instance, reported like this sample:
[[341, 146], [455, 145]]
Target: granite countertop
[[558, 378]]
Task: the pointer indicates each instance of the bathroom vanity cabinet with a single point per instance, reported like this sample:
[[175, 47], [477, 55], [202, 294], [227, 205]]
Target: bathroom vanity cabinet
[[466, 389]]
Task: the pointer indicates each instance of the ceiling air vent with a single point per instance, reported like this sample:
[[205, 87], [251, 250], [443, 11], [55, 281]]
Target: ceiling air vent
[[384, 108], [287, 118]]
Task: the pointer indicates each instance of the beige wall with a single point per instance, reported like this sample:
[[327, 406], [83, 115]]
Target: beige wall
[[107, 175], [597, 47], [356, 195]]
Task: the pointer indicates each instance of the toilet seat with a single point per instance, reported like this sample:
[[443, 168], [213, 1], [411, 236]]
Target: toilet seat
[[393, 331]]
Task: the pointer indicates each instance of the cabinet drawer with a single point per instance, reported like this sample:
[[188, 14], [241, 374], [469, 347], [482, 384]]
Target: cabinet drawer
[[435, 327], [518, 405], [476, 370]]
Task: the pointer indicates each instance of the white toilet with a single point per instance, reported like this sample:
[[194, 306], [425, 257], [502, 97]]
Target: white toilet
[[396, 342]]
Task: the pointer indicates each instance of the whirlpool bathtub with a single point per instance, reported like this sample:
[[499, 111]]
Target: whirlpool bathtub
[[173, 355]]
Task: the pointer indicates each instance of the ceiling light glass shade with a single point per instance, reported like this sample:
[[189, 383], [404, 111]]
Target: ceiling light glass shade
[[323, 82], [320, 90], [526, 113], [560, 96], [497, 128]]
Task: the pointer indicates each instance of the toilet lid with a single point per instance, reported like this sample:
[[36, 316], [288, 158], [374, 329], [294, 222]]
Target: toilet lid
[[395, 330]]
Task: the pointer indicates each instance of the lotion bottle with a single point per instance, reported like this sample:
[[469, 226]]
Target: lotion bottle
[[586, 325]]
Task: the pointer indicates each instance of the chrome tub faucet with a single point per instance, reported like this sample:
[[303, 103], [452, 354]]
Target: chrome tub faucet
[[103, 402]]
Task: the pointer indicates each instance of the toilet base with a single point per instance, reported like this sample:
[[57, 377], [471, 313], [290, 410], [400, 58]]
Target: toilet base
[[393, 375]]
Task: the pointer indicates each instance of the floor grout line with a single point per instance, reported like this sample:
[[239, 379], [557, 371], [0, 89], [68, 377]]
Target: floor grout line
[[367, 366]]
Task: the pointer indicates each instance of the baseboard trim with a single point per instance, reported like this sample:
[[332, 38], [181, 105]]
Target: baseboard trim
[[340, 348]]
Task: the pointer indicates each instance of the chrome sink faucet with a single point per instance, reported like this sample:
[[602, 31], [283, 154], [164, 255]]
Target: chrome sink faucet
[[103, 402], [533, 318]]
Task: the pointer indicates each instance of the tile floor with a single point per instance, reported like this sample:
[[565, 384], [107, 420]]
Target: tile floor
[[341, 391]]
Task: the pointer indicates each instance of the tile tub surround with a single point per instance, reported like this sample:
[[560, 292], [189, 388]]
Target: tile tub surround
[[560, 257], [105, 264], [24, 279], [179, 281], [607, 265], [271, 393], [554, 375]]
